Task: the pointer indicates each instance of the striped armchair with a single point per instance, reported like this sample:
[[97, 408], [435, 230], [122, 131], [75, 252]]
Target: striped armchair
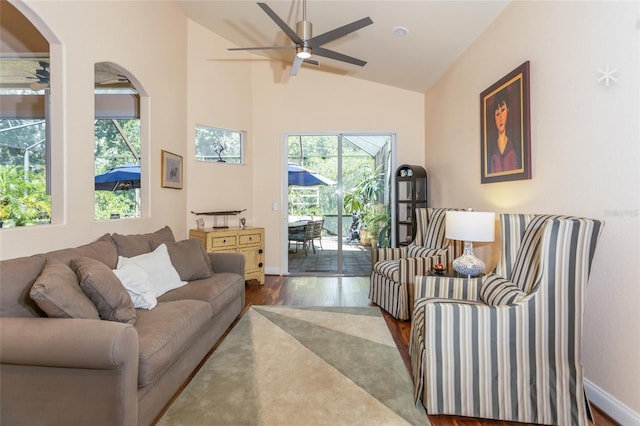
[[393, 274], [503, 348]]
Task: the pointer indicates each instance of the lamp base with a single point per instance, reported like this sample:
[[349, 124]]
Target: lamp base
[[468, 264]]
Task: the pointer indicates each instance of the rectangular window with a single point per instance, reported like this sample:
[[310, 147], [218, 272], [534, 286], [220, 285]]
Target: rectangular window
[[219, 145]]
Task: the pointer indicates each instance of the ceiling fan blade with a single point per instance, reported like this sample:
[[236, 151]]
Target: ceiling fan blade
[[321, 39], [283, 26], [262, 47], [321, 51], [311, 61], [297, 62]]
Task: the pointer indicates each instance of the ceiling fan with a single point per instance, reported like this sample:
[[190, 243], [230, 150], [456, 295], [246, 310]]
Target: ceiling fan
[[117, 79], [42, 75], [306, 44]]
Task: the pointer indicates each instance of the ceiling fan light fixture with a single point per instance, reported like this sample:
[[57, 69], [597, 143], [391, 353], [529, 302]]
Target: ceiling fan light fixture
[[400, 31], [303, 52]]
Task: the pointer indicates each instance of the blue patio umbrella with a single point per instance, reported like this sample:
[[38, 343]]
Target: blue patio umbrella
[[299, 176], [119, 178]]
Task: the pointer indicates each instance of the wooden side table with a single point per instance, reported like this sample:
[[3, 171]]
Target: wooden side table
[[249, 241]]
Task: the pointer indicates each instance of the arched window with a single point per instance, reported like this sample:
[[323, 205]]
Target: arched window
[[25, 164], [118, 146]]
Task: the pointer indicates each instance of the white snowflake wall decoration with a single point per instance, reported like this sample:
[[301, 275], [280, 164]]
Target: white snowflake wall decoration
[[607, 75]]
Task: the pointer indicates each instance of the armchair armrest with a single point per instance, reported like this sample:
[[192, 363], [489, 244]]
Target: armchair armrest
[[448, 288], [227, 262], [388, 253]]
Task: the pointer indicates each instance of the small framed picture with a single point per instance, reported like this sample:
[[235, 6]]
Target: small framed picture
[[505, 128], [171, 170], [200, 224]]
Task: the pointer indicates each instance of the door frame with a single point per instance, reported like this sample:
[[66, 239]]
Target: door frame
[[284, 193]]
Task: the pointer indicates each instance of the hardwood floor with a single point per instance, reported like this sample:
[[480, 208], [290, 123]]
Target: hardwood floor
[[353, 291]]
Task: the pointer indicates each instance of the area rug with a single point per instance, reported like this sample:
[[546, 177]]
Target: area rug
[[302, 366]]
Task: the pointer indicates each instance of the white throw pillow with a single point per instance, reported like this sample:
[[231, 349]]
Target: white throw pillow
[[157, 264], [136, 281]]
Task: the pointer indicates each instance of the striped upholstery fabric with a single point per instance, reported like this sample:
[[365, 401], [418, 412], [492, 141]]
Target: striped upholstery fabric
[[392, 276], [518, 362], [498, 291]]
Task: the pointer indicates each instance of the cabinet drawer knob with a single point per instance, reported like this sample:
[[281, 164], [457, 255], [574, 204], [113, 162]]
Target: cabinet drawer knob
[[260, 251], [260, 265]]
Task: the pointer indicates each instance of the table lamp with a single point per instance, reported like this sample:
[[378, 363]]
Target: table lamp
[[469, 226]]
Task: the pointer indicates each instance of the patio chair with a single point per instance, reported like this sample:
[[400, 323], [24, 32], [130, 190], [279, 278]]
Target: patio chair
[[317, 233], [302, 234], [393, 274], [508, 345]]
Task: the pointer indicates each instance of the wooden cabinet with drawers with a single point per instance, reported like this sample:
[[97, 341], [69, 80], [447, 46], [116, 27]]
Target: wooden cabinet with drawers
[[248, 241]]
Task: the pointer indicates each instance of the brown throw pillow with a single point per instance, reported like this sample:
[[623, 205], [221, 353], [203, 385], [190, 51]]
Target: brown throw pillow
[[134, 245], [104, 289], [189, 258], [57, 293]]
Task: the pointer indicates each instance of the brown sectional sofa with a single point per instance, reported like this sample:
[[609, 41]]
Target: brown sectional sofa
[[72, 371]]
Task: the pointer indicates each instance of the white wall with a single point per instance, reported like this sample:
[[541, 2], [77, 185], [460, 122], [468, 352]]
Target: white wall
[[153, 50], [585, 156]]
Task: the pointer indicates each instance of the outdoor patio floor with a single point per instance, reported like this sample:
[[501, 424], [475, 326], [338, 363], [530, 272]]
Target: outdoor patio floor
[[356, 259]]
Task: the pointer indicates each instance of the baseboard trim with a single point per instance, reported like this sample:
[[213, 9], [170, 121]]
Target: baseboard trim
[[270, 270], [611, 406]]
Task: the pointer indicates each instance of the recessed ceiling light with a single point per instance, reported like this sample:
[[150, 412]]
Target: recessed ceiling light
[[400, 31]]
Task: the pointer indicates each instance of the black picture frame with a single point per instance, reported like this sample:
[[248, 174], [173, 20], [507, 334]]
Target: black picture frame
[[505, 111]]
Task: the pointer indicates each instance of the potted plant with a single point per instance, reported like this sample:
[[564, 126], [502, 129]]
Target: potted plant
[[362, 197], [377, 221]]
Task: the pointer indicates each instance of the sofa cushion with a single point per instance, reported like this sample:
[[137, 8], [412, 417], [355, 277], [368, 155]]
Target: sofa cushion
[[104, 289], [157, 264], [165, 332], [219, 291], [136, 244], [188, 257], [136, 281], [103, 249], [58, 294], [16, 279]]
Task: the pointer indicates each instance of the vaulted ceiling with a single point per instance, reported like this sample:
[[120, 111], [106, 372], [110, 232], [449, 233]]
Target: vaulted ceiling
[[410, 44], [437, 32]]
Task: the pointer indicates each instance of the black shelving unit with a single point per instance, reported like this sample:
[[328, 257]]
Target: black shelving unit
[[411, 193]]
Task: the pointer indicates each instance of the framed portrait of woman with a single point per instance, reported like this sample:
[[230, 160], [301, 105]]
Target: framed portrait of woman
[[505, 148]]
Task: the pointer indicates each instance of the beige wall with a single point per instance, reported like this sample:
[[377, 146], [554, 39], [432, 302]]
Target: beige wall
[[314, 101], [153, 51], [219, 96], [247, 92], [585, 156]]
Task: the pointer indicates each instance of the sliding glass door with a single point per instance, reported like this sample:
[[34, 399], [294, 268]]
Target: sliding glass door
[[341, 183]]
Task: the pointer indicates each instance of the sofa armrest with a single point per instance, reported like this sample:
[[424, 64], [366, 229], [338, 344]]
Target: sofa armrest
[[227, 262], [68, 371], [68, 343]]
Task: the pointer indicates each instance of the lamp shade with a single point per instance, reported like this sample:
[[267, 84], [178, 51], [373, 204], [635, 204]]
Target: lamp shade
[[470, 226]]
